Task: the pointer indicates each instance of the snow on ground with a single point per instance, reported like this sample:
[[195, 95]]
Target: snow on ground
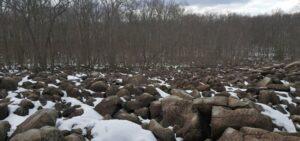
[[103, 130], [52, 85], [285, 96], [25, 79], [161, 82], [278, 118], [284, 82], [232, 90], [13, 119], [119, 80], [162, 93], [76, 79], [293, 89]]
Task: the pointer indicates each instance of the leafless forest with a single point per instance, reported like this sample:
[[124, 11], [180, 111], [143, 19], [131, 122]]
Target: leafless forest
[[138, 32]]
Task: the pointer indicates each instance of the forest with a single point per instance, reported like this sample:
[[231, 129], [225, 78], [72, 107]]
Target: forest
[[45, 33]]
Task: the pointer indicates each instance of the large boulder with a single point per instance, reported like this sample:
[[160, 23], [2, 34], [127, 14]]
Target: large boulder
[[204, 105], [21, 111], [132, 105], [109, 105], [143, 112], [99, 86], [278, 87], [155, 109], [27, 104], [231, 134], [46, 133], [254, 134], [192, 129], [163, 134], [123, 92], [4, 128], [267, 97], [43, 117], [145, 99], [223, 118], [4, 111], [264, 82], [174, 109], [8, 83], [179, 112], [73, 92]]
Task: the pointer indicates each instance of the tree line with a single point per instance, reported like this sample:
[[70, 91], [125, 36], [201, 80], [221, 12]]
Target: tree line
[[43, 33]]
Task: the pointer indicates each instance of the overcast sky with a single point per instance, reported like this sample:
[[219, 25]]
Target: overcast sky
[[252, 7]]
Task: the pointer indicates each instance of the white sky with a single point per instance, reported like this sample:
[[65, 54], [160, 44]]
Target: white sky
[[245, 7]]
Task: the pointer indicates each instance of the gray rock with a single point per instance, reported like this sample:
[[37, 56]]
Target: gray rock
[[4, 128], [264, 82], [99, 86], [4, 111], [109, 105], [163, 134], [46, 133], [8, 83], [43, 117], [223, 118]]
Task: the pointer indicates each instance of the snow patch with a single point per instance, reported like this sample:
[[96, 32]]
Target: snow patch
[[162, 93], [25, 79], [278, 118], [285, 97]]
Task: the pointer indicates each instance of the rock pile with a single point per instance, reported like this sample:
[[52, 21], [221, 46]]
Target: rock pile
[[224, 103]]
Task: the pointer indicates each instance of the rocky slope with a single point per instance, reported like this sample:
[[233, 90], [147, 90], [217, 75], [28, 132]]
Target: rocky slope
[[174, 103]]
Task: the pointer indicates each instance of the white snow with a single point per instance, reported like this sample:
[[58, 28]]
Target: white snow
[[284, 82], [232, 90], [161, 82], [89, 111], [292, 89], [285, 97], [103, 130], [98, 100], [76, 79], [13, 119], [119, 80], [57, 81], [112, 130], [162, 93], [90, 91], [233, 94], [25, 79], [80, 75], [52, 85], [278, 118], [72, 78]]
